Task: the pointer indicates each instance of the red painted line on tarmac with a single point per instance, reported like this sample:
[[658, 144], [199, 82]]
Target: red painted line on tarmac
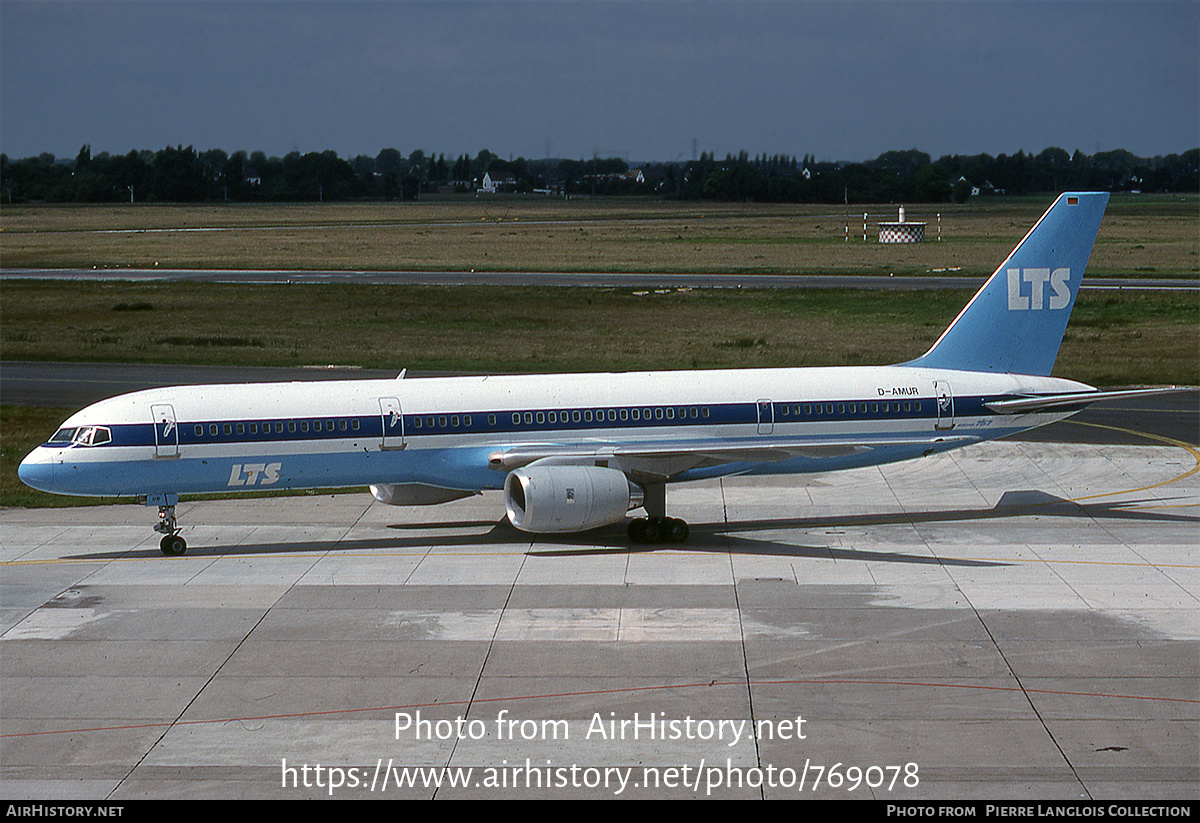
[[630, 690]]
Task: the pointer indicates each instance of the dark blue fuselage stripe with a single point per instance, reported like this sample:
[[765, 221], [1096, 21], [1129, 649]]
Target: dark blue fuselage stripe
[[372, 426]]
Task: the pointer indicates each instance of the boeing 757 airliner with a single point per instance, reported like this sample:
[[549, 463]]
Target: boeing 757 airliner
[[579, 451]]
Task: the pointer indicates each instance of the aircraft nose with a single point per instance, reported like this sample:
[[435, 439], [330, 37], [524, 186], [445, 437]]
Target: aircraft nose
[[37, 470]]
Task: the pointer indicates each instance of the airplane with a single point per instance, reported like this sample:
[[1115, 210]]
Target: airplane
[[574, 452]]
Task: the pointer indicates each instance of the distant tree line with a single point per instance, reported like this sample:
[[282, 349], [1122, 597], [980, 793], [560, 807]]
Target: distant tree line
[[913, 176], [186, 175]]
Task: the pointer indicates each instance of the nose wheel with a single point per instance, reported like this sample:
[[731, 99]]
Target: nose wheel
[[172, 545]]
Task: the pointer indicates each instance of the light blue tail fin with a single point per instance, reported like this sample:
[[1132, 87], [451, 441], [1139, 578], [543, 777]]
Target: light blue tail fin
[[1015, 323]]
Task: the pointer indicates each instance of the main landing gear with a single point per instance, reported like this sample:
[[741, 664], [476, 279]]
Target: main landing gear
[[657, 528], [171, 544]]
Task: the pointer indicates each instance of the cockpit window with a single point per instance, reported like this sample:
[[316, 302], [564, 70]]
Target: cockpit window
[[99, 436], [83, 435]]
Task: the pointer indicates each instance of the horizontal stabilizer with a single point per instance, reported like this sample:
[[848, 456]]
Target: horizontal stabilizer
[[1071, 401]]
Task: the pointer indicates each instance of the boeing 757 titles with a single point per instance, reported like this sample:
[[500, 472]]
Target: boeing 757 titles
[[573, 452]]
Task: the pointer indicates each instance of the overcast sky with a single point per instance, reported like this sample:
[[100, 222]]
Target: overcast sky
[[643, 80]]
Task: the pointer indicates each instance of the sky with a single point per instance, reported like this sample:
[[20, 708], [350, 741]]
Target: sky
[[646, 81]]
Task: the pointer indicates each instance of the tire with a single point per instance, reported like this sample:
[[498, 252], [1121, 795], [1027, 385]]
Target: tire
[[172, 545], [675, 530]]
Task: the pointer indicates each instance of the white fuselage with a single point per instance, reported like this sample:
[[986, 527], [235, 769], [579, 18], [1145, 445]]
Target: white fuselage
[[442, 432]]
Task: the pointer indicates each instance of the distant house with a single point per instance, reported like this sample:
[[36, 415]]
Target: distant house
[[494, 181]]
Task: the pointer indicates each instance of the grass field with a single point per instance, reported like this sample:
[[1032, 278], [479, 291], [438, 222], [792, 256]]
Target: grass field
[[1115, 338], [1121, 337], [1151, 235]]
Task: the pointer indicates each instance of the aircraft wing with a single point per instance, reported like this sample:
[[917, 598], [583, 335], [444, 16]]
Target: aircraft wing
[[663, 459], [1072, 400]]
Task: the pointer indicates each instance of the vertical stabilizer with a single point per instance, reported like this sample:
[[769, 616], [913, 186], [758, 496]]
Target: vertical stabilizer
[[1015, 323]]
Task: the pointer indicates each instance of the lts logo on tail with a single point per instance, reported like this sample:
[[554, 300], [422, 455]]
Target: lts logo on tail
[[1021, 298]]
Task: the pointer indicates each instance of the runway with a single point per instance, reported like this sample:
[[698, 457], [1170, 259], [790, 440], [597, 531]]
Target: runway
[[644, 280], [1015, 620]]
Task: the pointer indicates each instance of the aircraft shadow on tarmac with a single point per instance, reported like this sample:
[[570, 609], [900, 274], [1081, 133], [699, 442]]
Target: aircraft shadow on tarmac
[[705, 537]]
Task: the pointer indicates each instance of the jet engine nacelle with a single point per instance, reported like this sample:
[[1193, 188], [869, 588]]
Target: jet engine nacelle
[[416, 494], [545, 499]]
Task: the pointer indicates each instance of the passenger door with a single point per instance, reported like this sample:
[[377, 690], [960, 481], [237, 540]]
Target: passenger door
[[766, 417], [945, 405], [393, 423], [166, 431]]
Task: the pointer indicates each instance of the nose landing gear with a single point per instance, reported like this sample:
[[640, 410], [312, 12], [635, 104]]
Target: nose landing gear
[[171, 544]]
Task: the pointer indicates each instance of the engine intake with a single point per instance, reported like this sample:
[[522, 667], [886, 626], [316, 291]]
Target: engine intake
[[545, 499]]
